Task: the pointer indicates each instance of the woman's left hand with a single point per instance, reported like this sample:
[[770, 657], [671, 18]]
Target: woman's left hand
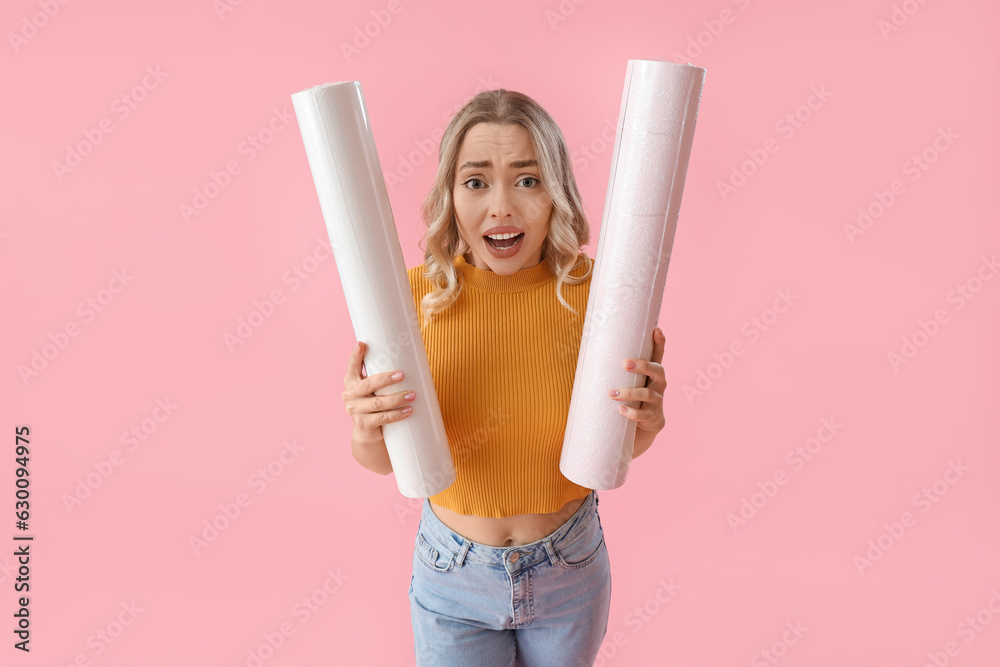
[[649, 415]]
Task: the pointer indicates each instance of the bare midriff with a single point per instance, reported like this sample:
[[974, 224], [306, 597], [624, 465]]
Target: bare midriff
[[506, 531]]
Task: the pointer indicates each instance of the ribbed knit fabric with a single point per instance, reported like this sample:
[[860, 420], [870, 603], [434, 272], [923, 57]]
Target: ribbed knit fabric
[[503, 356]]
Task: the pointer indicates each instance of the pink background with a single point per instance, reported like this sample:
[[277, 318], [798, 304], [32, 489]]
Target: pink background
[[162, 335]]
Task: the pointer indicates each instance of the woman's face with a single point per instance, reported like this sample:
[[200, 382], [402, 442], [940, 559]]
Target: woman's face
[[498, 189]]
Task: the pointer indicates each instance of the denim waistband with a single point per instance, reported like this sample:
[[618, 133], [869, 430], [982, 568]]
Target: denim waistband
[[518, 556]]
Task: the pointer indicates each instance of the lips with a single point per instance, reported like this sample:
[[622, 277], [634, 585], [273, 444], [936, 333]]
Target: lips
[[506, 229], [504, 248]]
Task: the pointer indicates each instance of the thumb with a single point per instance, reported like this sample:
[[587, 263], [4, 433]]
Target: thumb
[[658, 345]]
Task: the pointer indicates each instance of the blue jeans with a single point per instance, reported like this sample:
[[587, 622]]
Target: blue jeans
[[475, 605]]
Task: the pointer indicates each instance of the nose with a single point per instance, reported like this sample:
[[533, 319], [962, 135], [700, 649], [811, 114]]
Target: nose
[[500, 205]]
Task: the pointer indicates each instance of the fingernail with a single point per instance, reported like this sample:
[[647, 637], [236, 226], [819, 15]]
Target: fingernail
[[630, 364], [409, 395], [613, 392], [623, 409], [398, 375], [407, 410]]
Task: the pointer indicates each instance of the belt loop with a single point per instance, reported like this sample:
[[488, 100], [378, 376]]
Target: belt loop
[[461, 552], [550, 550]]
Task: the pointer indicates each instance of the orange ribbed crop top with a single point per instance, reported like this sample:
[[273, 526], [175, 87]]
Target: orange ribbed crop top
[[503, 357]]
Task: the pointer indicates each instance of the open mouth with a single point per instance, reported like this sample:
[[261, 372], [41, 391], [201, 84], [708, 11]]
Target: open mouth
[[503, 244]]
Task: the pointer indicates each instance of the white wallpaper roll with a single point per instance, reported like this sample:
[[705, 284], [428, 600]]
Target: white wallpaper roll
[[652, 146], [352, 195]]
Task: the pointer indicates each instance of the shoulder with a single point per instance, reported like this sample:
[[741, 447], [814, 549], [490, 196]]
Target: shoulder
[[416, 273], [416, 277], [420, 284]]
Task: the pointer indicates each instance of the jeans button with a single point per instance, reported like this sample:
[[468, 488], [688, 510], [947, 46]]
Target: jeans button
[[514, 556]]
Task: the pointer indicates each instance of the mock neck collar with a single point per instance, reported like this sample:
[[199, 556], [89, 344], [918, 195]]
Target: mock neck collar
[[490, 281]]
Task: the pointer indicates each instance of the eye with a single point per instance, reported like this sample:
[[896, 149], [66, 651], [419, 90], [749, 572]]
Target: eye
[[530, 178], [474, 180]]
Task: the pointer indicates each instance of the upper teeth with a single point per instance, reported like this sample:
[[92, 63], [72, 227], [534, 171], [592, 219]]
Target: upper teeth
[[502, 236]]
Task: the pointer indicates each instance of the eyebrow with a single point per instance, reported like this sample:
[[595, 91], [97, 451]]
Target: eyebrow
[[481, 164]]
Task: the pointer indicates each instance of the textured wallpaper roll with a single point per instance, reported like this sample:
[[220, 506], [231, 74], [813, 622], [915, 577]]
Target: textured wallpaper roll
[[352, 195], [652, 147]]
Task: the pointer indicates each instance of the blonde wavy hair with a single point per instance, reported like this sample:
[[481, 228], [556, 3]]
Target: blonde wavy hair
[[568, 228]]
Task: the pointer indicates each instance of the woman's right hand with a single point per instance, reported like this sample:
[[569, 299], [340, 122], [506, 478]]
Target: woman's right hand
[[367, 410]]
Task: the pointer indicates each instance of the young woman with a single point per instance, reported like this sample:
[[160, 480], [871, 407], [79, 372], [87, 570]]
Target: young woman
[[510, 560]]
